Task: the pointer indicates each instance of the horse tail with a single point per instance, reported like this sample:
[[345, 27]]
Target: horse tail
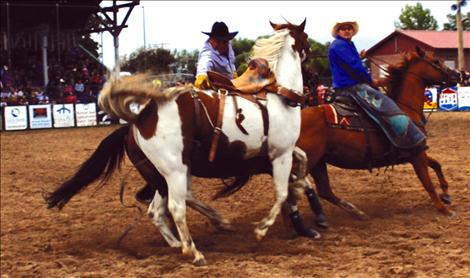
[[119, 93], [102, 163], [233, 187]]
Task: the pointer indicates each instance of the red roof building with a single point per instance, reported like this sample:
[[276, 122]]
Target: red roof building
[[442, 44]]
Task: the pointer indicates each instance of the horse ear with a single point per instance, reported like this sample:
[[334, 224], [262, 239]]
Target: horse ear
[[302, 25], [274, 25], [420, 52]]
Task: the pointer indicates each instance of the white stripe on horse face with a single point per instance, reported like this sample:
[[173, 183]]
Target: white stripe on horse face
[[165, 147]]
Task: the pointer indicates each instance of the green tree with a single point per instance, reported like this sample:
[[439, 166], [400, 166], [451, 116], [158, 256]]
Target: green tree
[[186, 62], [154, 60], [450, 25], [242, 48], [416, 18]]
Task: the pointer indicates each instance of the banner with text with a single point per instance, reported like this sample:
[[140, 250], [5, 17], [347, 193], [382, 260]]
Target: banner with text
[[40, 116], [448, 99], [430, 99], [16, 117], [464, 98], [85, 114], [63, 115]]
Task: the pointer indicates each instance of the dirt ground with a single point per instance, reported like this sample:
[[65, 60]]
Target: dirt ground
[[405, 237]]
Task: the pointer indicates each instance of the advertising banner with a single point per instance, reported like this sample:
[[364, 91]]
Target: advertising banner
[[40, 116], [63, 115], [430, 99], [464, 98], [85, 114], [448, 99], [16, 117]]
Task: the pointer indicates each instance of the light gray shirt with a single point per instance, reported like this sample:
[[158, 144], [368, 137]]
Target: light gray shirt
[[210, 59]]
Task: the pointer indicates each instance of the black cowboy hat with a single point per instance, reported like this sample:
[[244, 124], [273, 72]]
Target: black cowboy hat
[[220, 32]]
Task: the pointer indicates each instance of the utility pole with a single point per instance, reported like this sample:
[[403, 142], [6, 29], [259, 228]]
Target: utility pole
[[143, 23], [458, 23]]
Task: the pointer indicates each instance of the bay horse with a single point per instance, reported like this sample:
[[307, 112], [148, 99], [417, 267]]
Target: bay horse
[[169, 131], [345, 148]]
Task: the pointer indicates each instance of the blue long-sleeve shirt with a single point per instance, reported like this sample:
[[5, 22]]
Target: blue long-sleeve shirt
[[343, 54]]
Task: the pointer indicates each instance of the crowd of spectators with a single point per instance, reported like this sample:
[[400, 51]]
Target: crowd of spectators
[[77, 79]]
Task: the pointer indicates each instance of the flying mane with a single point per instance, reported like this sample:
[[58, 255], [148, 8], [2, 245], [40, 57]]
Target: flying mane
[[269, 48]]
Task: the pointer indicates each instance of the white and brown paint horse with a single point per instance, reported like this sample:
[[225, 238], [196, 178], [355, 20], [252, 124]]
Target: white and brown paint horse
[[167, 128]]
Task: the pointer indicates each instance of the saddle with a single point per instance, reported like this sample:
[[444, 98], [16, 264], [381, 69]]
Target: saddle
[[346, 114], [254, 84]]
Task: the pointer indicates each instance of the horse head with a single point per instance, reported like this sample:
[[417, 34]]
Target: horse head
[[285, 51], [297, 32], [431, 70], [422, 69]]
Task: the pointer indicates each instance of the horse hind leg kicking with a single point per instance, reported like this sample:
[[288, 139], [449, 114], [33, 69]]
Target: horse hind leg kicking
[[320, 175]]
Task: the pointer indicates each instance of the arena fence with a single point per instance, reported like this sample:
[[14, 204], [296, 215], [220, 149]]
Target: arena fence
[[44, 116]]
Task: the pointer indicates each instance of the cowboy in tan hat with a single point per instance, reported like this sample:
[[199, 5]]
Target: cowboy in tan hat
[[216, 55]]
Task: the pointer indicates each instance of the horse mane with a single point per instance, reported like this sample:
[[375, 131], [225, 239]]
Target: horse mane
[[269, 48], [119, 93], [396, 74]]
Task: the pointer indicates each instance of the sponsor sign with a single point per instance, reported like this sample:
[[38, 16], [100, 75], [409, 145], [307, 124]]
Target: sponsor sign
[[40, 116], [16, 117], [463, 94], [430, 99], [63, 115], [448, 99], [85, 114]]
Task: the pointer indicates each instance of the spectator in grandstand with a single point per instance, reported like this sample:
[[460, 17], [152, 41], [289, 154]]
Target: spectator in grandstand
[[216, 55]]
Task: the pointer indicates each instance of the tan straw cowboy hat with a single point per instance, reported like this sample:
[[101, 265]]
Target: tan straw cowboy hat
[[354, 25]]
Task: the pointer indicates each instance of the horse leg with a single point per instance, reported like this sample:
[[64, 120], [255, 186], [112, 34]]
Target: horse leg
[[300, 180], [320, 176], [157, 211], [216, 219], [281, 170], [291, 211], [177, 192], [436, 166], [420, 165]]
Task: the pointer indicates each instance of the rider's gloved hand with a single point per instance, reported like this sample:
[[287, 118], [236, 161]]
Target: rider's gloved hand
[[202, 82]]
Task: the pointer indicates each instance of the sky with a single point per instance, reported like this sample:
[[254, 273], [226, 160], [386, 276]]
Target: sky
[[178, 24]]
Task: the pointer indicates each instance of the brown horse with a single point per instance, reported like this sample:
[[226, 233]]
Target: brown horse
[[351, 149]]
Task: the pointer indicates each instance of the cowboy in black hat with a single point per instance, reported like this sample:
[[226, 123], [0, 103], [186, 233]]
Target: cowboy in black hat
[[216, 55]]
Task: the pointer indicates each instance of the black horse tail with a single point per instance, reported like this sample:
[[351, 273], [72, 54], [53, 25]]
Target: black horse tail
[[102, 163], [229, 189]]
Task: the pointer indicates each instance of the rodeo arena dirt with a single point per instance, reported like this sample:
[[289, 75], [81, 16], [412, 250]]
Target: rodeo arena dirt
[[404, 237]]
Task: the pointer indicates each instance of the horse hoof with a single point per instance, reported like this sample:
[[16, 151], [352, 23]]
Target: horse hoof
[[446, 199], [200, 262], [225, 227], [452, 215], [310, 233], [321, 221]]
